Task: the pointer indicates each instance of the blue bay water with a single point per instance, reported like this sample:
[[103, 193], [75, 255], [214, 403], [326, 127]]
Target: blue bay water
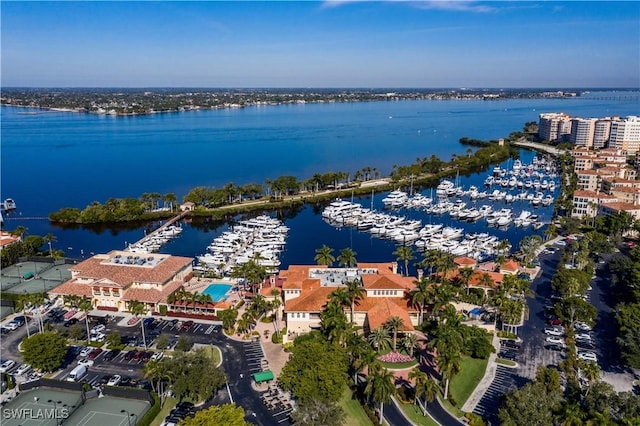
[[54, 159]]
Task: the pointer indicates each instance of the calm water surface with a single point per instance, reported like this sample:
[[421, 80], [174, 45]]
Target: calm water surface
[[52, 160]]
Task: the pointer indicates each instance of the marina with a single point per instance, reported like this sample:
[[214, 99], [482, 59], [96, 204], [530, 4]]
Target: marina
[[260, 239], [499, 210]]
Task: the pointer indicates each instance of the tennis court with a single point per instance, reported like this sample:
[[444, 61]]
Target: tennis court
[[33, 276], [40, 407], [108, 410]]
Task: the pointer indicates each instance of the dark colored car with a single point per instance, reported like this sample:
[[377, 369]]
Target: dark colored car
[[149, 323], [179, 412], [185, 405], [143, 384], [508, 355], [104, 379], [126, 381], [129, 355], [94, 353], [513, 344], [585, 344], [137, 355], [173, 322], [146, 356], [554, 321], [71, 322], [554, 347], [111, 354], [4, 330], [187, 325]]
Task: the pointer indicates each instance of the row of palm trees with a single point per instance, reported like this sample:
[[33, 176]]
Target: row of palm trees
[[189, 299]]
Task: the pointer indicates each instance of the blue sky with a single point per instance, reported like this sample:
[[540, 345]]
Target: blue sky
[[321, 44]]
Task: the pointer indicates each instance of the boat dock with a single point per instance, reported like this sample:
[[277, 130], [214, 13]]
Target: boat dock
[[152, 241]]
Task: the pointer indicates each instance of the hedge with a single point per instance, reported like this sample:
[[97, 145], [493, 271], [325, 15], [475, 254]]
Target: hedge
[[152, 413]]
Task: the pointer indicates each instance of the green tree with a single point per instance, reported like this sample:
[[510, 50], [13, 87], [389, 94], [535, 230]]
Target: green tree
[[380, 387], [75, 332], [379, 339], [138, 308], [323, 256], [45, 351], [227, 414], [50, 238], [424, 387], [354, 292], [421, 294], [347, 258], [228, 318], [530, 405], [449, 364], [529, 246], [318, 413], [404, 254], [163, 342], [316, 370], [114, 340], [183, 344], [394, 324], [85, 306]]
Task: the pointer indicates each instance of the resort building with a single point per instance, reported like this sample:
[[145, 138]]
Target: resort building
[[601, 132], [307, 289], [7, 238], [554, 126], [111, 280], [582, 131], [632, 209], [625, 134], [586, 203]]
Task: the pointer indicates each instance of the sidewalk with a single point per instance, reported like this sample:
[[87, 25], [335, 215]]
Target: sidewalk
[[489, 375]]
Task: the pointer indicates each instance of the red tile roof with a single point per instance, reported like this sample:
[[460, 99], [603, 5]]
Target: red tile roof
[[391, 282], [71, 287], [384, 309], [510, 265], [149, 295], [465, 261]]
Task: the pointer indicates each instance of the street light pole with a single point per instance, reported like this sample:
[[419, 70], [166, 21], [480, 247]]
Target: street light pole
[[55, 409], [129, 415]]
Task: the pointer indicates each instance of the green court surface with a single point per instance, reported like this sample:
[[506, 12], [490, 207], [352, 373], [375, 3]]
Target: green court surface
[[33, 276], [108, 410]]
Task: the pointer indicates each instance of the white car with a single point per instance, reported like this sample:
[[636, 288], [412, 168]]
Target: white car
[[86, 351], [11, 326], [98, 328], [23, 369], [583, 336], [86, 362], [555, 339], [115, 380], [561, 243], [7, 365], [588, 356], [157, 356], [581, 326], [100, 337], [554, 331]]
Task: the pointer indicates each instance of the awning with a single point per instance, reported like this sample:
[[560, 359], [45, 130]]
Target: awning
[[28, 275], [263, 376]]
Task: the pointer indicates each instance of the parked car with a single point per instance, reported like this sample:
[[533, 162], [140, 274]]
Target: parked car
[[554, 321], [149, 323], [510, 343], [555, 339], [4, 330], [7, 365], [583, 336], [157, 356], [129, 355], [137, 355], [70, 322], [86, 362], [11, 326], [510, 355], [94, 353], [104, 379], [111, 354], [85, 351], [583, 344], [23, 369], [173, 322], [115, 380], [554, 347], [554, 331], [99, 337], [98, 328], [187, 325], [146, 356], [588, 356], [581, 326], [185, 404], [20, 320]]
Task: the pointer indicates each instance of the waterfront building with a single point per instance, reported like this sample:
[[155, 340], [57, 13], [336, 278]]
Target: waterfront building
[[586, 203], [612, 208], [625, 134], [111, 280], [601, 132], [7, 238], [582, 131], [554, 126]]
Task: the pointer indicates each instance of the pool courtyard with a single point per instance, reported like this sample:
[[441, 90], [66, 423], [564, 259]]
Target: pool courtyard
[[217, 291]]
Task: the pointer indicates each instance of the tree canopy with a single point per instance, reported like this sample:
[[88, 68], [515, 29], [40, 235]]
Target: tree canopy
[[227, 414], [45, 351]]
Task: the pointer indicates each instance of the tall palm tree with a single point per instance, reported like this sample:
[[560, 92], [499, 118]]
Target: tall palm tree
[[50, 238], [465, 275], [20, 231], [138, 308], [355, 292], [323, 256], [444, 263], [394, 324], [36, 300], [424, 387], [410, 343], [404, 254], [449, 364], [333, 322], [380, 387], [22, 303], [379, 339], [347, 258], [85, 306], [422, 294], [360, 353]]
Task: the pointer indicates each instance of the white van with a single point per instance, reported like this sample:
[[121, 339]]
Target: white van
[[77, 373]]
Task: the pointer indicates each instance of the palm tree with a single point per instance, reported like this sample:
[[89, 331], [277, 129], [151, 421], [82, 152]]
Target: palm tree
[[465, 275], [380, 387], [572, 415], [354, 292], [20, 231], [394, 324], [50, 238], [323, 256], [421, 295], [424, 387], [347, 258], [449, 364], [404, 254], [22, 303], [138, 308], [85, 306], [410, 343], [333, 322], [379, 339]]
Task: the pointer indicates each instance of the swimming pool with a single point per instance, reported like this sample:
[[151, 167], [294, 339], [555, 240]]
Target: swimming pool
[[217, 291]]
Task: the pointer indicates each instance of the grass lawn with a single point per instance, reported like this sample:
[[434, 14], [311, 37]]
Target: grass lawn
[[415, 414], [214, 353], [462, 385], [355, 413], [505, 362], [169, 403]]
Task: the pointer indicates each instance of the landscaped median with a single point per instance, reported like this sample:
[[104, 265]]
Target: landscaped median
[[464, 383]]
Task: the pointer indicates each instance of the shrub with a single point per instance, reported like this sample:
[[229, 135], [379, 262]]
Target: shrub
[[474, 419], [163, 309], [150, 415]]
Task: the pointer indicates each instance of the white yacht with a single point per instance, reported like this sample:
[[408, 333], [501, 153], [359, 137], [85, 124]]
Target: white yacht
[[395, 199]]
